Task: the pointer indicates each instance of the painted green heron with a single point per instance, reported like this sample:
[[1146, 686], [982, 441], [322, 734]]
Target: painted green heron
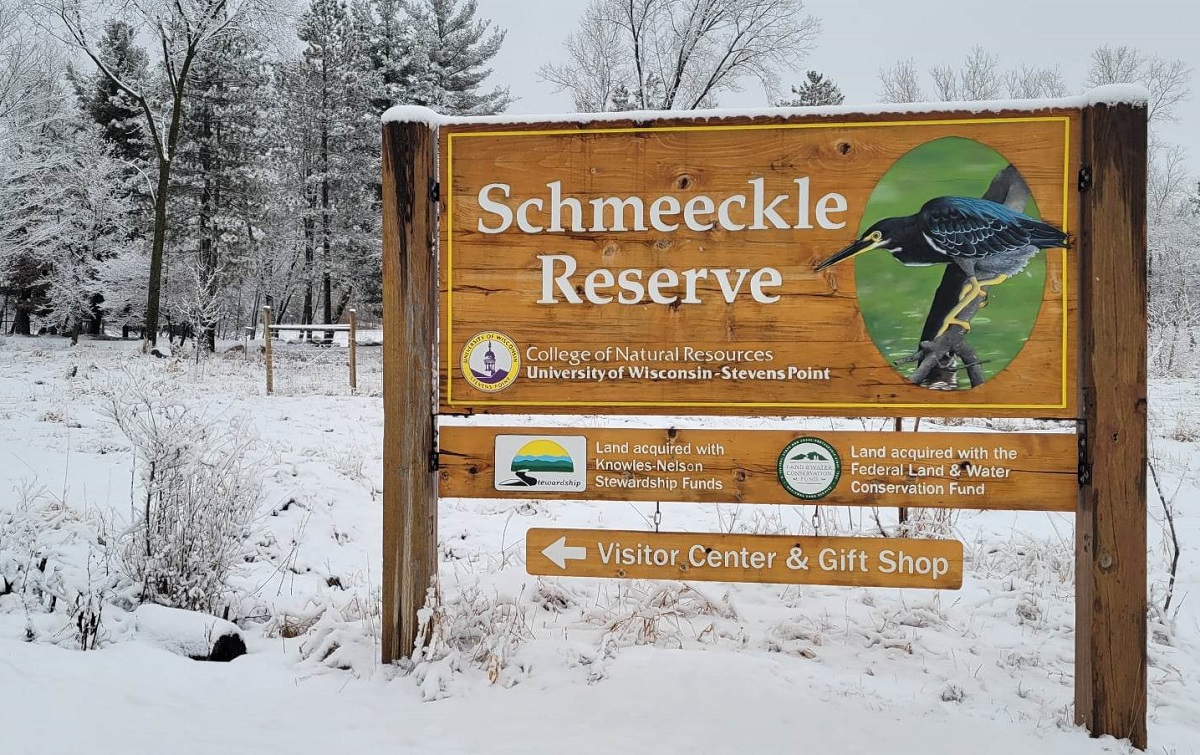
[[988, 241]]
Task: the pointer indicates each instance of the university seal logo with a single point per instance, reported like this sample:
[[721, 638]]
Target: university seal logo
[[490, 361]]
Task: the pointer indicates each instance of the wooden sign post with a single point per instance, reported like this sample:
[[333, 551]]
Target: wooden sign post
[[1110, 529], [794, 264], [409, 325]]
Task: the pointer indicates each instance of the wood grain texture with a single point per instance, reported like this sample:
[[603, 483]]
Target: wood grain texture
[[1110, 676], [1017, 471], [410, 328], [844, 561], [492, 281]]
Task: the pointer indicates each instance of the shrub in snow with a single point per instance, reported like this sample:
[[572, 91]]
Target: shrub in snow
[[54, 568], [471, 628], [194, 500]]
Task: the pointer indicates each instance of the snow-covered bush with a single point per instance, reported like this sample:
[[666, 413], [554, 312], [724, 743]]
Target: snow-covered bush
[[471, 629], [55, 569], [194, 501]]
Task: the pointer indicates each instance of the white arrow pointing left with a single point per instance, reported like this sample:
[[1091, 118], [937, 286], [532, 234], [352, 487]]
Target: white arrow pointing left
[[559, 552]]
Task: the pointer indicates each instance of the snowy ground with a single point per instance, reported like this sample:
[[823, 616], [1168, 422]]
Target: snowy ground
[[522, 664]]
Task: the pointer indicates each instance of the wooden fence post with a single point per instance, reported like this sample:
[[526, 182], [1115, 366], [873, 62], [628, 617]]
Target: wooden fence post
[[409, 328], [1110, 567], [353, 345], [267, 348]]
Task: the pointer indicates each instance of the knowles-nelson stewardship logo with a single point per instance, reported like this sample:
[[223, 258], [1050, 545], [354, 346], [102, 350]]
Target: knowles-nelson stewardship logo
[[541, 462], [809, 468], [491, 361]]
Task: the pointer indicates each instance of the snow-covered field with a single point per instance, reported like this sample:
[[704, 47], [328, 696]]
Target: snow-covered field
[[520, 663]]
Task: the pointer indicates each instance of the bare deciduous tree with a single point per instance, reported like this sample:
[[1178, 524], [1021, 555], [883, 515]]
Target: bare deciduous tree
[[980, 77], [901, 83], [1031, 83], [679, 54], [1167, 79], [26, 62], [977, 79]]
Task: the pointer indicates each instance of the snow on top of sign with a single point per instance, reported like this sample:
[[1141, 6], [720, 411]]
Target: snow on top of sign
[[414, 114], [1108, 95], [1117, 94]]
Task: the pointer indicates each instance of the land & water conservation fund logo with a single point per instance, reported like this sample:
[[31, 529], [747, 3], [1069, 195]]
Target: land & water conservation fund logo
[[809, 468], [541, 462], [491, 361]]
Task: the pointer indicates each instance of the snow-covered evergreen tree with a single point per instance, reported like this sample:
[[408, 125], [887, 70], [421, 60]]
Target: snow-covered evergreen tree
[[335, 138], [453, 48], [816, 90], [119, 117], [391, 50], [223, 157]]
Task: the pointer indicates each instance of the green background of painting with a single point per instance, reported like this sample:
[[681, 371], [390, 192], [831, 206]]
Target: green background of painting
[[894, 299]]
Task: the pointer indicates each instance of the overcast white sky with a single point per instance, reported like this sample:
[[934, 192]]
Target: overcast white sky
[[858, 38]]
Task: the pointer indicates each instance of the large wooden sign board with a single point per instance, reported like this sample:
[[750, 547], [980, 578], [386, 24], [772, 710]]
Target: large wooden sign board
[[966, 263], [672, 267], [1019, 471]]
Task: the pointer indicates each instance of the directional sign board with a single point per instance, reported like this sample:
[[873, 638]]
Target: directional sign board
[[847, 561], [706, 267], [1020, 471]]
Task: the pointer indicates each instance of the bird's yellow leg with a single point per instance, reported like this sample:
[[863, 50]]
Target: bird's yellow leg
[[973, 289]]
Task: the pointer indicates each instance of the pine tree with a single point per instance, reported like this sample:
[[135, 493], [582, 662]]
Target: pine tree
[[119, 117], [222, 155], [335, 136], [816, 90], [390, 49], [452, 48], [121, 125]]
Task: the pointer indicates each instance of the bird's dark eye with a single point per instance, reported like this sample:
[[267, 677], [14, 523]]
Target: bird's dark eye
[[874, 237]]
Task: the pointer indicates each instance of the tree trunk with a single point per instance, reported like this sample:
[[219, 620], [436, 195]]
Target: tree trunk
[[208, 254], [154, 289], [306, 317], [326, 284], [340, 309], [21, 321], [166, 155], [95, 324]]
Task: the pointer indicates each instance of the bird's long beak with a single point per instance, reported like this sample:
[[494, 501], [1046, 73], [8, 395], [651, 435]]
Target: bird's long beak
[[858, 247]]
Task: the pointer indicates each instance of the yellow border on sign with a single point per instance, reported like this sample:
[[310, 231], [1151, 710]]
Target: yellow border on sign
[[450, 137]]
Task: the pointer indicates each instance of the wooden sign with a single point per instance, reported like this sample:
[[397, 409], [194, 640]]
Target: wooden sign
[[706, 267], [847, 561], [791, 264], [1020, 471]]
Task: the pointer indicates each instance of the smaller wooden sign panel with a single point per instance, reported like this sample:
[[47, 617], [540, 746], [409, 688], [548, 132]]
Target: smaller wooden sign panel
[[845, 561], [1015, 471]]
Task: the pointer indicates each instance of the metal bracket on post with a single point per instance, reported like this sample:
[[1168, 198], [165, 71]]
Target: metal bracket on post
[[1085, 469], [1085, 178]]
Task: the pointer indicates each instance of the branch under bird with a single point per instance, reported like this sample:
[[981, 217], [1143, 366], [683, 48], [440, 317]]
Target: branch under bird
[[988, 241]]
